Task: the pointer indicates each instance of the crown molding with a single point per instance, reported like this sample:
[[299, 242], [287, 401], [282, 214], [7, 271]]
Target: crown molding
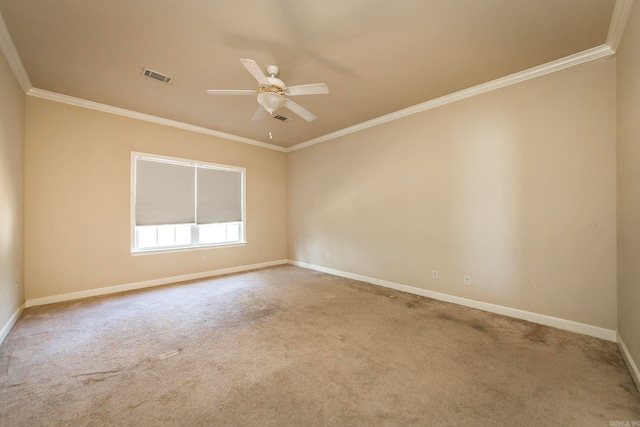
[[550, 67], [83, 103], [618, 21], [9, 49]]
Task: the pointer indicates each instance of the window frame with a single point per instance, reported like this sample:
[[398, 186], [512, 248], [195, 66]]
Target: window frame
[[181, 248]]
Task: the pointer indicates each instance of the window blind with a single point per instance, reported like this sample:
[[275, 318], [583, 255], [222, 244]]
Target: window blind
[[165, 193], [219, 196]]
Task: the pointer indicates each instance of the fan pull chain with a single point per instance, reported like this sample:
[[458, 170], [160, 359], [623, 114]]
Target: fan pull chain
[[270, 126]]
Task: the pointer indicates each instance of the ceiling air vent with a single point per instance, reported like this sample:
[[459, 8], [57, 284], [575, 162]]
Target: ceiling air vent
[[156, 76], [281, 118]]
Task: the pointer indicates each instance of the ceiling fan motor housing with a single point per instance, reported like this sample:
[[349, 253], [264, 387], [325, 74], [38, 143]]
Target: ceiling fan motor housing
[[277, 86]]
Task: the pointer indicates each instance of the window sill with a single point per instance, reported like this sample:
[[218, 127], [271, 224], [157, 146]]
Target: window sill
[[190, 248]]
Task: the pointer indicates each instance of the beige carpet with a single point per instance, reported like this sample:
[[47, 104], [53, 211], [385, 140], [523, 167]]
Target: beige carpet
[[289, 346]]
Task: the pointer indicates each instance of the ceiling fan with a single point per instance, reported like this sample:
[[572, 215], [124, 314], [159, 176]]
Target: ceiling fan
[[272, 91]]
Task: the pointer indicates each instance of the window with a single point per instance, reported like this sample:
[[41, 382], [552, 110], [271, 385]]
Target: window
[[178, 203]]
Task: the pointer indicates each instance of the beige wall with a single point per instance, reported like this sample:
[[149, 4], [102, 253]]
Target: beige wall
[[628, 66], [77, 200], [11, 193], [516, 187]]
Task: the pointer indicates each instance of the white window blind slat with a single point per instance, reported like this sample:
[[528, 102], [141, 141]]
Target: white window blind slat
[[219, 196], [165, 193]]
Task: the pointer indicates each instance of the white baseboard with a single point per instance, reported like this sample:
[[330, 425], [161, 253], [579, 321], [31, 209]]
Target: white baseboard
[[631, 364], [12, 321], [555, 322], [542, 319], [147, 283]]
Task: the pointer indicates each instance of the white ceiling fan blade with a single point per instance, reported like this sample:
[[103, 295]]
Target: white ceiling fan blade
[[231, 92], [300, 110], [259, 114], [312, 89], [255, 71]]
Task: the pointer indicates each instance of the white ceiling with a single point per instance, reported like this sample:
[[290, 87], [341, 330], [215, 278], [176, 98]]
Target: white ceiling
[[377, 56]]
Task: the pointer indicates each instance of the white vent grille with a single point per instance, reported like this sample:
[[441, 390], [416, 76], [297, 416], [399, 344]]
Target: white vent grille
[[157, 76], [281, 118]]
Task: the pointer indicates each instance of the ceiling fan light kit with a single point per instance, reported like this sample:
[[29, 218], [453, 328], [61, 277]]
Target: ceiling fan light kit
[[272, 91], [271, 101]]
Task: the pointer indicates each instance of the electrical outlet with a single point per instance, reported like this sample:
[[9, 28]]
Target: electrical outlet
[[434, 274], [467, 280], [205, 259]]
